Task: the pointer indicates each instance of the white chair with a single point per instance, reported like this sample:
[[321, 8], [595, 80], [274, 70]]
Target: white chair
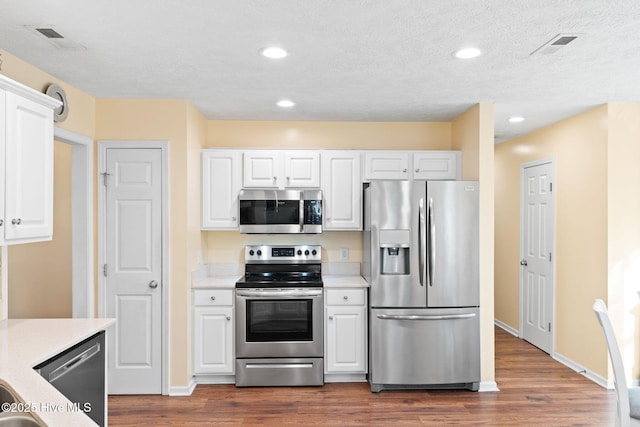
[[628, 413]]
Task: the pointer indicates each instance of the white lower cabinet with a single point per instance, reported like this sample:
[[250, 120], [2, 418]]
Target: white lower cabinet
[[213, 333], [345, 351]]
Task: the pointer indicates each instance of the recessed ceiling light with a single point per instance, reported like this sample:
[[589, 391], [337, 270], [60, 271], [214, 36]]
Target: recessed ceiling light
[[467, 53], [274, 52], [516, 119], [285, 103]]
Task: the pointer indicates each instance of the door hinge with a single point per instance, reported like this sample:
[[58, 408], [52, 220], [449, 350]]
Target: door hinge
[[551, 187], [549, 256], [104, 270], [549, 326], [105, 176]]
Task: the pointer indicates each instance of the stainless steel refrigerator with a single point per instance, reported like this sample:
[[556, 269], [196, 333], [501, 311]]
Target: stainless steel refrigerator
[[420, 258]]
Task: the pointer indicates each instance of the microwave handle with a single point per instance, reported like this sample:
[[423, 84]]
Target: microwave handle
[[301, 215]]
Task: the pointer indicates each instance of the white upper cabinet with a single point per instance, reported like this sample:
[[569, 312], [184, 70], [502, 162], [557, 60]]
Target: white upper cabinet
[[221, 173], [302, 168], [434, 165], [342, 190], [426, 165], [26, 159], [386, 165], [281, 169]]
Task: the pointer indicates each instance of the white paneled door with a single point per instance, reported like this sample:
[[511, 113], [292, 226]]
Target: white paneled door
[[133, 269], [537, 242]]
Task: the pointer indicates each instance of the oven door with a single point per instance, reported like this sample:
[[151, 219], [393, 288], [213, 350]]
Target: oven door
[[279, 323]]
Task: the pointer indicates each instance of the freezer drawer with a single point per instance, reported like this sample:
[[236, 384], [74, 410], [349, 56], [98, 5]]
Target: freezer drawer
[[424, 348]]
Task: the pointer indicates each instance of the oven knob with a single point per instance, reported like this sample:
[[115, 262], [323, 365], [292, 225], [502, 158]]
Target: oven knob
[[306, 252], [299, 252], [251, 252], [259, 252], [314, 252]]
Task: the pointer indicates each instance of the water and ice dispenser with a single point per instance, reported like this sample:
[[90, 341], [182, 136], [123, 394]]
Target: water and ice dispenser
[[395, 251]]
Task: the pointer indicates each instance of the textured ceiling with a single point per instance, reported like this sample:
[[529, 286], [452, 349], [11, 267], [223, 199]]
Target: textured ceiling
[[376, 60]]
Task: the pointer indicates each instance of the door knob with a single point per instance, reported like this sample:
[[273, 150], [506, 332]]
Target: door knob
[[153, 284], [523, 262]]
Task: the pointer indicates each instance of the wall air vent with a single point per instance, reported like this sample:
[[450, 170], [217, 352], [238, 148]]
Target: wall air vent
[[555, 44], [54, 37]]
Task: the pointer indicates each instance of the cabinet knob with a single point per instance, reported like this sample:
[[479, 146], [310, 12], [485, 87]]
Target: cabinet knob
[[228, 317], [404, 170], [233, 218], [1, 222], [16, 221], [417, 170], [213, 298], [345, 297], [275, 178], [330, 317]]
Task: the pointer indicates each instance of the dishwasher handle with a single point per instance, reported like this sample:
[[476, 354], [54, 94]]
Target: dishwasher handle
[[74, 363]]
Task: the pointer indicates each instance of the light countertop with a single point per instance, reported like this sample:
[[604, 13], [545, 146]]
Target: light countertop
[[344, 281], [219, 282], [25, 343]]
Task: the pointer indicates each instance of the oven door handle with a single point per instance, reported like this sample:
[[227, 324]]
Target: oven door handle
[[270, 293]]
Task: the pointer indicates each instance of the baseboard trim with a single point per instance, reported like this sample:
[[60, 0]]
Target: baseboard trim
[[602, 382], [345, 378], [183, 391], [215, 379], [488, 386], [507, 328]]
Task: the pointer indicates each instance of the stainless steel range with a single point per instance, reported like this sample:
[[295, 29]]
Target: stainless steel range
[[279, 311]]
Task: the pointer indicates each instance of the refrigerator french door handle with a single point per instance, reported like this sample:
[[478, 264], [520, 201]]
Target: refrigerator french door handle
[[431, 232], [425, 317], [421, 246]]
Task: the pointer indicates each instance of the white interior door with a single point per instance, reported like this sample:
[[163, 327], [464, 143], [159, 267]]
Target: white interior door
[[134, 269], [537, 242]]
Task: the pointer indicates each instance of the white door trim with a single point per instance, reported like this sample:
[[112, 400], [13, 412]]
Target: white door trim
[[523, 166], [82, 288], [103, 145]]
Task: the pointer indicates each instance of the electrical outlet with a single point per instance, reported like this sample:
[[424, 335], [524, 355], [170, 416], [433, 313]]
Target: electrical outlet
[[344, 254]]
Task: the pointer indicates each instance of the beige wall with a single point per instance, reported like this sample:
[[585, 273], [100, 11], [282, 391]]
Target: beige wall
[[173, 121], [40, 274], [579, 148], [335, 135], [473, 135], [623, 192]]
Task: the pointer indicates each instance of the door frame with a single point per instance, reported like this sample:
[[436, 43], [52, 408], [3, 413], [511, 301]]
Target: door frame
[[82, 255], [103, 146], [523, 166]]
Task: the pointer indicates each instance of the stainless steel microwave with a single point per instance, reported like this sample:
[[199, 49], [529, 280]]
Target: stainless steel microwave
[[280, 211]]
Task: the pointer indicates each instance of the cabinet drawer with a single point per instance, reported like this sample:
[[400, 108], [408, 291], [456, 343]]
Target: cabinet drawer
[[209, 297], [345, 296]]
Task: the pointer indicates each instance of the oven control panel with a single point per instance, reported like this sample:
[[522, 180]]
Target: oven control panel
[[283, 254]]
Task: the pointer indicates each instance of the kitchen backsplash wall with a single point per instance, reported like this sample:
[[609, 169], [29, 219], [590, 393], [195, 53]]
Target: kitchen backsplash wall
[[228, 246]]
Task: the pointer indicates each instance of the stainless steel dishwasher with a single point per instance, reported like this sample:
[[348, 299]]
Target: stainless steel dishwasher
[[79, 374]]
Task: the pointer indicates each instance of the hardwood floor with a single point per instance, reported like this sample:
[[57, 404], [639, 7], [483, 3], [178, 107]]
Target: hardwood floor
[[534, 390]]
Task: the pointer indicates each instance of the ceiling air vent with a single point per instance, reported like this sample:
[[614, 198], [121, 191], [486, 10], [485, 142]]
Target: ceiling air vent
[[54, 37], [555, 44]]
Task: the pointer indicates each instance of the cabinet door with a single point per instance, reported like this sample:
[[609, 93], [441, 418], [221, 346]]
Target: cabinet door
[[262, 169], [29, 170], [341, 190], [433, 165], [301, 168], [221, 177], [386, 165], [346, 339], [213, 345]]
